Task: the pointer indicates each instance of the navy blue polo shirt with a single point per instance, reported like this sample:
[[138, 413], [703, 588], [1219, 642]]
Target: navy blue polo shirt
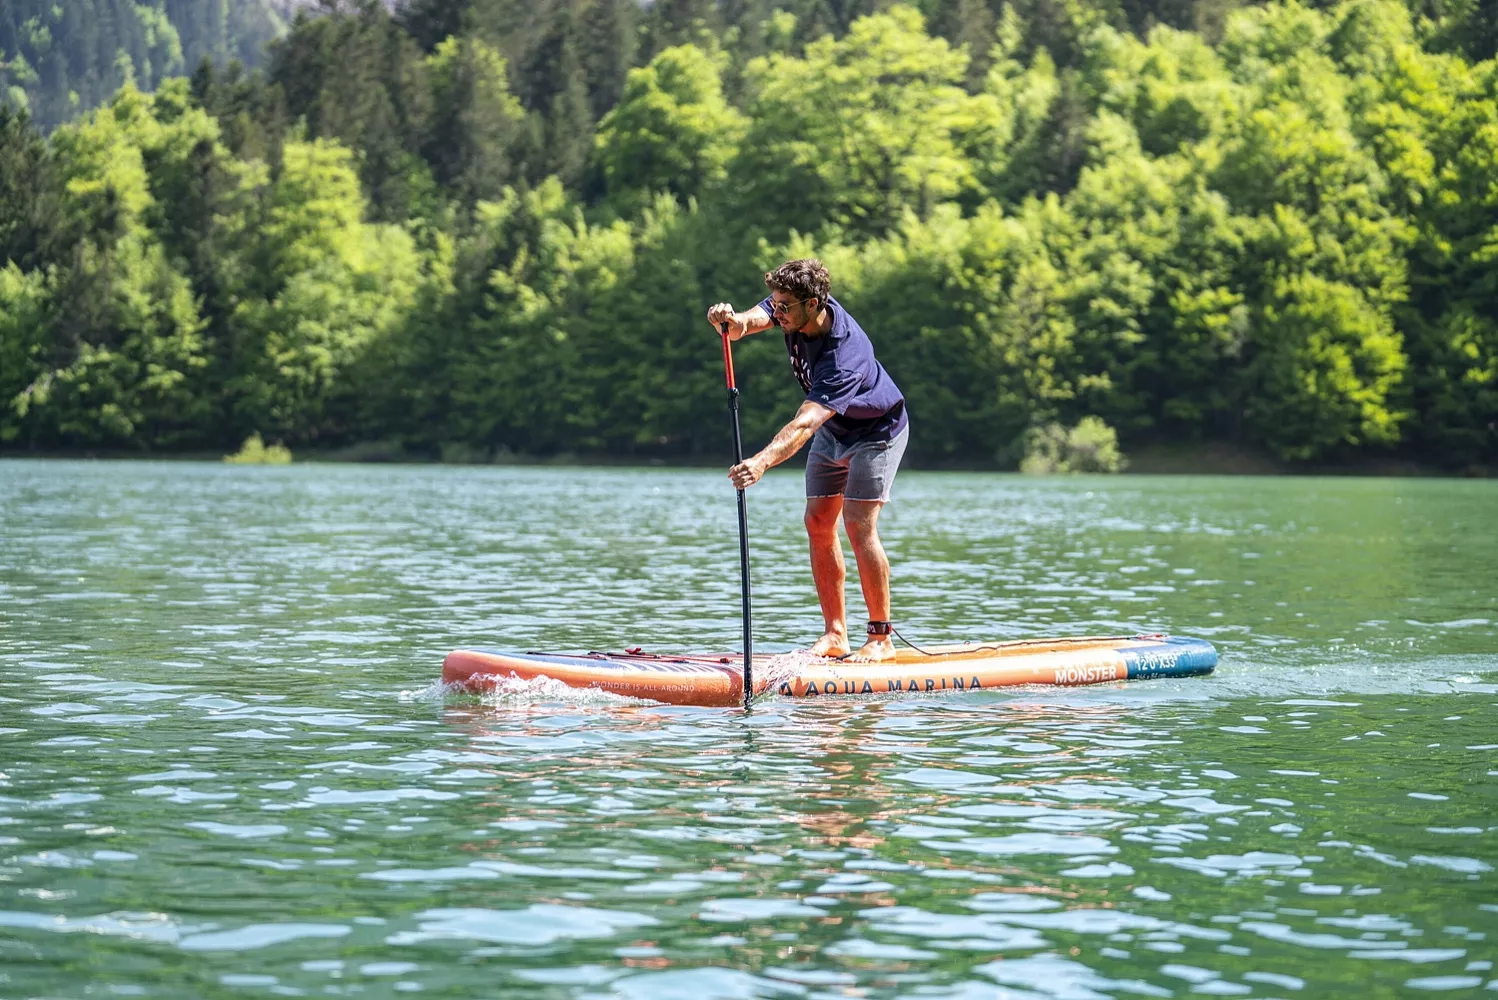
[[838, 370]]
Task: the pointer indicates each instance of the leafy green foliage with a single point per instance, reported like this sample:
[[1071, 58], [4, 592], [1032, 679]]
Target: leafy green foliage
[[323, 285], [472, 228], [1090, 446], [860, 129], [124, 345], [254, 451], [25, 335], [672, 125]]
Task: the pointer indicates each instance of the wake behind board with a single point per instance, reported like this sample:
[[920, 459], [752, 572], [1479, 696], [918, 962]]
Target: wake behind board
[[719, 680]]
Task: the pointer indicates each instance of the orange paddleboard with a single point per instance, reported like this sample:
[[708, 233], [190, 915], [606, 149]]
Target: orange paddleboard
[[719, 679]]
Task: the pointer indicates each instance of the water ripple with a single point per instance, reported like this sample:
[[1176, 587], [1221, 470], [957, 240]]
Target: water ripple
[[226, 765]]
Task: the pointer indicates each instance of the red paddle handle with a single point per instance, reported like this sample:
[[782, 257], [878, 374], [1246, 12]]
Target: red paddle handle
[[727, 354]]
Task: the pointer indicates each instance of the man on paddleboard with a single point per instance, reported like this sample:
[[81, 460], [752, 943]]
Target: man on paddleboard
[[854, 417]]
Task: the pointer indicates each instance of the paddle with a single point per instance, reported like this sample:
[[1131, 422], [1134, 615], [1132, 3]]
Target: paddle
[[738, 456]]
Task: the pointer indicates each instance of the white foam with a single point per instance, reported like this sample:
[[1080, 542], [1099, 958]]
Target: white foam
[[511, 691], [784, 666], [433, 692]]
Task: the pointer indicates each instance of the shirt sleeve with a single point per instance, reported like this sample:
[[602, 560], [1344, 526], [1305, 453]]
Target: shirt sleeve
[[768, 305], [834, 387]]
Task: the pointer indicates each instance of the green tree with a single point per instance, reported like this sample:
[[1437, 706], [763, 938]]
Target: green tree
[[1329, 248], [1429, 120], [29, 196], [671, 131], [928, 293], [552, 84], [26, 343], [859, 130], [323, 285], [607, 45], [1324, 367], [670, 23], [356, 77], [475, 121], [204, 201], [968, 25], [432, 22], [125, 335], [251, 112]]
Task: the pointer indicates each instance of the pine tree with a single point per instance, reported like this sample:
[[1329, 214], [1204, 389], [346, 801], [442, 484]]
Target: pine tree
[[548, 41], [29, 203], [353, 75], [474, 122], [975, 32], [570, 126], [52, 103], [822, 17], [606, 45], [679, 22], [204, 27], [1482, 39], [431, 22], [89, 26], [10, 36], [553, 86], [251, 111]]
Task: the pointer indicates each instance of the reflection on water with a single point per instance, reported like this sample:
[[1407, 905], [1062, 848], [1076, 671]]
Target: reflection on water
[[226, 768]]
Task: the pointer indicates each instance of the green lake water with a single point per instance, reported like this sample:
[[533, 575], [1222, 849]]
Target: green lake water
[[227, 768]]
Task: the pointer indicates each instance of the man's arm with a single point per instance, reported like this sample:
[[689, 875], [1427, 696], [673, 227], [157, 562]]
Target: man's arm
[[740, 324], [785, 444]]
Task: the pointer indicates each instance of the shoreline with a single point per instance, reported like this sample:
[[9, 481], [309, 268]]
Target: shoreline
[[1162, 460]]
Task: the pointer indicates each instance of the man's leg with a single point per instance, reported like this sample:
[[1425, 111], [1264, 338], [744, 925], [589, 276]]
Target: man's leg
[[829, 572], [862, 520]]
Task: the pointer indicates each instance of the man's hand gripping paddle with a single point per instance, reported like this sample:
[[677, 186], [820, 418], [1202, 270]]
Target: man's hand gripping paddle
[[738, 456]]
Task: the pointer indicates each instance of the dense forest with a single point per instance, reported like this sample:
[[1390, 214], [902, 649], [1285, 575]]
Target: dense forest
[[470, 228], [59, 58]]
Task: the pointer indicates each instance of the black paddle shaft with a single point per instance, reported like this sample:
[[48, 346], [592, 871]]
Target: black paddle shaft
[[738, 456]]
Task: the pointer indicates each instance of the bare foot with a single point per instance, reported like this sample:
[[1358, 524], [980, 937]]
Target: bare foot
[[832, 644], [876, 650]]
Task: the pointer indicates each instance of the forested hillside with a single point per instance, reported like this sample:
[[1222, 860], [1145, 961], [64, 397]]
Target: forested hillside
[[59, 58], [471, 228]]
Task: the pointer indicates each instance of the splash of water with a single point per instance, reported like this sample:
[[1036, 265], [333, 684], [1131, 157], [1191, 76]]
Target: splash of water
[[784, 666], [513, 691], [436, 691]]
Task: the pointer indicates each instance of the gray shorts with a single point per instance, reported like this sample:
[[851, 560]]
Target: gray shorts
[[862, 471]]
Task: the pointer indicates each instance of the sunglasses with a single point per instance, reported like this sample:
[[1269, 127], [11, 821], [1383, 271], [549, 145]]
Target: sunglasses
[[783, 308]]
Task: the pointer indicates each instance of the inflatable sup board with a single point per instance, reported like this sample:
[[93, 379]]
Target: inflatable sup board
[[719, 679]]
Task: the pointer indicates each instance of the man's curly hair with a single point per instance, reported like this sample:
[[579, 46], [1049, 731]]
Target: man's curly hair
[[805, 279]]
